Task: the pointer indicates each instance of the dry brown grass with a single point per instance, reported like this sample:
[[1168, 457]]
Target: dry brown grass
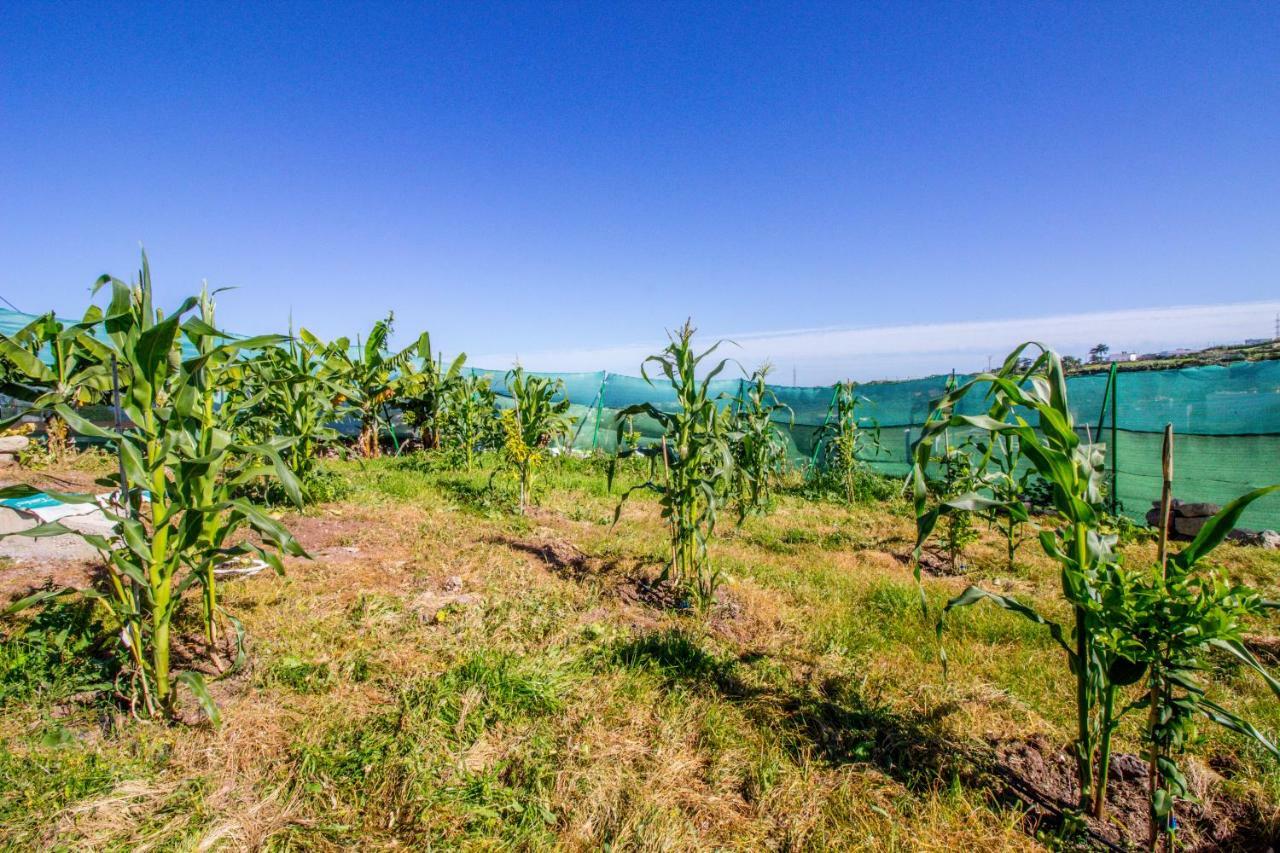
[[807, 712]]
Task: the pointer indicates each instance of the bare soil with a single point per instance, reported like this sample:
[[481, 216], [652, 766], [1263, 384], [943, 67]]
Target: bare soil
[[1043, 777]]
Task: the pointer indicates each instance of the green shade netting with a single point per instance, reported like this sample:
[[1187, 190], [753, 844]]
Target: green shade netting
[[1226, 419]]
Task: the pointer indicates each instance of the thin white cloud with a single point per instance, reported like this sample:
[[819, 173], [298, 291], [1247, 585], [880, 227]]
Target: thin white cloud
[[821, 356]]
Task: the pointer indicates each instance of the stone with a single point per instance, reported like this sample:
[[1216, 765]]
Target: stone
[[1188, 527], [1127, 766], [13, 443], [1198, 510], [1270, 540]]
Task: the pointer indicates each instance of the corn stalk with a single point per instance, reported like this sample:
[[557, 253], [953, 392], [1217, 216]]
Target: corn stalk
[[1084, 554], [179, 468], [697, 460], [759, 449]]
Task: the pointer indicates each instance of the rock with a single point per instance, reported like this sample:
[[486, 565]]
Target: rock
[[13, 443], [1268, 539], [453, 583], [1126, 766], [1198, 510], [8, 460], [1188, 527]]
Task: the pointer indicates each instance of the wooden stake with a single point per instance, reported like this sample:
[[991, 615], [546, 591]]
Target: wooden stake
[[1166, 500]]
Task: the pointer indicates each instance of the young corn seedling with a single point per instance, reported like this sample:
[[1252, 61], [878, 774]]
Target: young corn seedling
[[694, 463], [1032, 405], [1007, 479], [178, 470], [759, 448], [531, 425]]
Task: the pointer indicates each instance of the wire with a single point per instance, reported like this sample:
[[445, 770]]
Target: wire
[[11, 305]]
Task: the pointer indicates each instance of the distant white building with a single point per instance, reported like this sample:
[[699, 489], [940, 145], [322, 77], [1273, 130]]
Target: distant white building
[[1124, 356]]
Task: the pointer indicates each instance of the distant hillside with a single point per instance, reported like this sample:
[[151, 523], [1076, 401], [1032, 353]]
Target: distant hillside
[[1225, 354]]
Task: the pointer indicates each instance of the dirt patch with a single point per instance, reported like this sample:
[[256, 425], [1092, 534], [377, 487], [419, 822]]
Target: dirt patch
[[560, 555], [1043, 777], [20, 580], [933, 564]]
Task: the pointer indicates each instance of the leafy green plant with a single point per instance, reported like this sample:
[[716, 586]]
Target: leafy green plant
[[759, 449], [469, 419], [178, 470], [369, 373], [49, 363], [1084, 555], [1122, 622], [842, 442], [531, 425], [292, 392], [1006, 478], [958, 478], [1168, 618], [696, 457], [422, 390]]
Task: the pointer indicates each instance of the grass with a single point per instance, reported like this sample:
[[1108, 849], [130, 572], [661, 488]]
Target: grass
[[546, 711]]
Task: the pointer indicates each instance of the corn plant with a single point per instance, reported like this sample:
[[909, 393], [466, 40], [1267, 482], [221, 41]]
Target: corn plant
[[696, 458], [759, 448], [531, 425], [1169, 617], [468, 419], [421, 391], [50, 362], [1007, 480], [958, 478], [178, 471], [1085, 555], [369, 372], [844, 440]]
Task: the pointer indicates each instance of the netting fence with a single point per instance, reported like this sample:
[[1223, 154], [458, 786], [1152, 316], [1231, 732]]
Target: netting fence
[[1226, 419]]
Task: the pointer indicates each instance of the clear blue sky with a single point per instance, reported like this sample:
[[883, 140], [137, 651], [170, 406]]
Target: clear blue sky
[[551, 176]]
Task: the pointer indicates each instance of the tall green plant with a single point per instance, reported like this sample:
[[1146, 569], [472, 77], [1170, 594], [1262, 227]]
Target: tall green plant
[[959, 477], [1020, 397], [469, 417], [1124, 625], [178, 470], [49, 363], [370, 372], [421, 391], [291, 391], [531, 425], [696, 459], [759, 448], [844, 439]]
